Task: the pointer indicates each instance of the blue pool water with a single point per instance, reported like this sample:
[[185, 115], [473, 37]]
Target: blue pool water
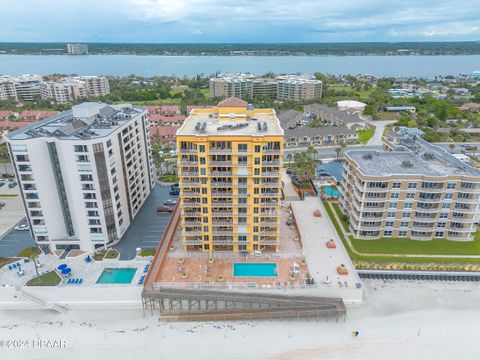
[[117, 276], [254, 269], [329, 191]]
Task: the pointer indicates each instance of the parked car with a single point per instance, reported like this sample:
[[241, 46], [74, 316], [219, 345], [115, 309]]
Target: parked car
[[174, 186], [170, 202], [12, 184], [174, 192], [22, 227], [164, 209], [2, 183], [2, 204]]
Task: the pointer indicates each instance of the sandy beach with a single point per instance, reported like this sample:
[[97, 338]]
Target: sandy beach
[[398, 320]]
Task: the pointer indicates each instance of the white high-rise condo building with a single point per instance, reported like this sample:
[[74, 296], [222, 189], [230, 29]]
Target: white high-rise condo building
[[77, 49], [83, 174]]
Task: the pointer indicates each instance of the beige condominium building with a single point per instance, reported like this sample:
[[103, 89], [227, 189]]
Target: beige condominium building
[[238, 85], [230, 165], [298, 87], [413, 189]]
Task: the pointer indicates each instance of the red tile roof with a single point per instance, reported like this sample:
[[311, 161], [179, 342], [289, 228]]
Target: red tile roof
[[5, 114], [13, 125], [166, 133], [232, 102], [36, 114], [163, 119], [163, 109]]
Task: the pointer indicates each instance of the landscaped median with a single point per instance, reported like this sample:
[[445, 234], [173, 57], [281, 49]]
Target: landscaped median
[[403, 253], [50, 278]]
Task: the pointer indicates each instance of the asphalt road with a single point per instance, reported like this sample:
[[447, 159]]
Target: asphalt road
[[15, 241], [147, 228]]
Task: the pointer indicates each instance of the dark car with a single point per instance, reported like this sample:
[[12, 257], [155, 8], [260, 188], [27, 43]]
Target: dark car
[[2, 183], [174, 186], [12, 184], [164, 209], [174, 192]]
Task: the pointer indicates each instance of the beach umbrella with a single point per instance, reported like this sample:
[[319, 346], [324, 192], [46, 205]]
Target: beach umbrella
[[88, 259], [62, 266], [66, 271]]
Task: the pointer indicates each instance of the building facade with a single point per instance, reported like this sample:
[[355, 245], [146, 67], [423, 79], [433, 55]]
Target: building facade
[[416, 190], [322, 136], [298, 87], [63, 91], [77, 49], [230, 161], [96, 85], [83, 174], [240, 86]]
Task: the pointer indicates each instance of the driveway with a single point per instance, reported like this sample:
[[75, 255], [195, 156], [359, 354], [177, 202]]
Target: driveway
[[15, 241], [376, 140], [147, 228]]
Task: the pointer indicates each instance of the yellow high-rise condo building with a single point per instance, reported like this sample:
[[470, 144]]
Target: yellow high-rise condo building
[[230, 164]]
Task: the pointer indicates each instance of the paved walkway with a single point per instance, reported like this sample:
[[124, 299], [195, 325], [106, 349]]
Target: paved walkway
[[379, 129], [346, 235], [289, 192], [322, 262]]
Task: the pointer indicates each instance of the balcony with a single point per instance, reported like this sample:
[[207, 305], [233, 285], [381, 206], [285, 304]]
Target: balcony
[[270, 174], [272, 152], [270, 163], [220, 151], [192, 232], [221, 184], [188, 173], [189, 194], [223, 194], [221, 163], [187, 151], [270, 204], [188, 163], [269, 194], [222, 173], [192, 242], [218, 213]]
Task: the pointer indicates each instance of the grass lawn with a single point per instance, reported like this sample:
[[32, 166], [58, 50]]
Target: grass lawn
[[111, 254], [388, 116], [99, 255], [29, 252], [5, 261], [147, 252], [365, 135], [8, 195], [173, 178], [49, 279], [405, 246]]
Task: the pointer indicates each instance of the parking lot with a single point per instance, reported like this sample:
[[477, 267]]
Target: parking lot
[[147, 227]]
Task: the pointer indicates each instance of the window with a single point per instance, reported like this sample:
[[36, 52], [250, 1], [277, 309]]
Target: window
[[392, 205], [448, 196], [389, 223], [86, 178], [443, 215], [201, 148], [80, 148], [203, 171], [202, 161], [257, 161], [109, 143], [406, 215], [92, 213], [396, 185], [404, 224], [410, 195], [242, 147], [439, 234], [387, 233], [451, 185], [446, 206], [402, 233], [394, 195], [257, 172], [412, 185], [391, 214], [441, 224], [408, 205], [257, 148]]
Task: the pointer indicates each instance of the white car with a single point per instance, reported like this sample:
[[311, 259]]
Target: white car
[[22, 227], [170, 202]]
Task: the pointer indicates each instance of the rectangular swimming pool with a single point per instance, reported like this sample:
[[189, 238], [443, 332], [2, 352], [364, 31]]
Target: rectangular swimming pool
[[117, 276], [254, 269]]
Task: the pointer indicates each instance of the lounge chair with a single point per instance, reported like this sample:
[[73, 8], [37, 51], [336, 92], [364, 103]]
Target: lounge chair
[[10, 267], [80, 281], [69, 281]]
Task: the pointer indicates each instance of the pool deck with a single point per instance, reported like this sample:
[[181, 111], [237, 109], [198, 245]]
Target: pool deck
[[89, 272], [315, 232]]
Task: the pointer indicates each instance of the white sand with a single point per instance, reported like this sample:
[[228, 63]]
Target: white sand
[[399, 320]]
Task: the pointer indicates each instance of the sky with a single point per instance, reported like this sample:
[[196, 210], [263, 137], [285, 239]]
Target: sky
[[247, 21]]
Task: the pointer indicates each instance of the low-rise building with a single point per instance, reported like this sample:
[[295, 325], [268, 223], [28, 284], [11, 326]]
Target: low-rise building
[[414, 190], [334, 117], [331, 135], [290, 119], [351, 106], [160, 134]]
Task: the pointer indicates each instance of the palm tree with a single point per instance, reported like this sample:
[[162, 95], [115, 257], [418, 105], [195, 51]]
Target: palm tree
[[338, 150], [289, 157], [343, 145], [451, 146]]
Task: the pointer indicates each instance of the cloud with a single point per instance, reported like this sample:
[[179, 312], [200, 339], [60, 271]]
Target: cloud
[[240, 20]]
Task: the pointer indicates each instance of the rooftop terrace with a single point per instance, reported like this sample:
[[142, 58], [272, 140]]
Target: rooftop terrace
[[201, 122], [85, 121], [412, 156]]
